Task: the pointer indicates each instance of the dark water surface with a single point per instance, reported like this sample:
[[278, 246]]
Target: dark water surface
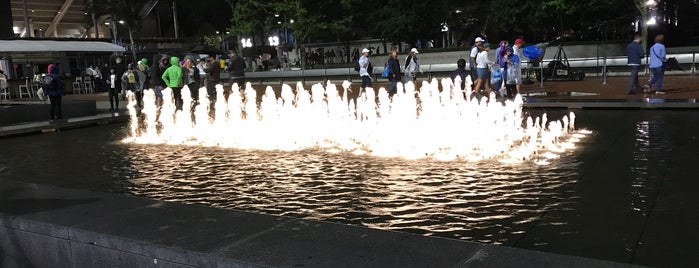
[[595, 201]]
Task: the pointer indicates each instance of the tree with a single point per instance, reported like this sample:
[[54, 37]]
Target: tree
[[126, 11], [553, 18], [408, 20], [309, 18]]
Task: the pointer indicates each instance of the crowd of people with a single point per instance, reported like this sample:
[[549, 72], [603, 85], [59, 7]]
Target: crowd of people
[[504, 71]]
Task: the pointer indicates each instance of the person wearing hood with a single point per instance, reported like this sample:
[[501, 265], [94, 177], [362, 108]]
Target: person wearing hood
[[55, 91], [143, 73], [173, 79], [131, 80], [156, 73]]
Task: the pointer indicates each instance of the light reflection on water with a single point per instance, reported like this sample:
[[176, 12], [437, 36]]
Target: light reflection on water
[[484, 201]]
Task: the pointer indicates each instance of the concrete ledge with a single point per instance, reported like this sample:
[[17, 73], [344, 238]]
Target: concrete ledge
[[75, 122], [648, 103], [16, 112], [45, 226]]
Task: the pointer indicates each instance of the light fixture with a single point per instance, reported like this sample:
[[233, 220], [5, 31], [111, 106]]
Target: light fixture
[[106, 23], [650, 3], [291, 21], [15, 29], [651, 21], [121, 21], [276, 15]]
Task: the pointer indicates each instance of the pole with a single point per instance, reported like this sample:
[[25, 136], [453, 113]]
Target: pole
[[27, 32], [94, 23], [174, 18], [114, 30]]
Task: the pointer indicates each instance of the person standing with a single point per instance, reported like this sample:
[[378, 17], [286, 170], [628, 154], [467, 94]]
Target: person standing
[[482, 64], [173, 79], [237, 68], [54, 89], [657, 58], [213, 77], [156, 77], [511, 73], [634, 52], [473, 54], [460, 72], [364, 68], [144, 73], [394, 71], [519, 43], [412, 65], [112, 81], [190, 76], [131, 81], [120, 68], [3, 82]]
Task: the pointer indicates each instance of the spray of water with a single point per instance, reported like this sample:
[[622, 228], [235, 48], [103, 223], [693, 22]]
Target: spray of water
[[447, 124]]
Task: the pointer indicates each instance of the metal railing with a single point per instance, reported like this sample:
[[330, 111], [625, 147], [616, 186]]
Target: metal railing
[[601, 67]]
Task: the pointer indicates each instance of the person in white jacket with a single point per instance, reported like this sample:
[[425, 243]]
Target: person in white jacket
[[365, 68], [412, 65], [482, 64]]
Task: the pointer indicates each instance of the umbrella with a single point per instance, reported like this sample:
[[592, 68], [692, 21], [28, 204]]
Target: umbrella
[[672, 64]]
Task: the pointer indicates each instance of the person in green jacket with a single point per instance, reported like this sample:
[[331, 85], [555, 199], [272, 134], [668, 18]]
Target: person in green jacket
[[173, 79]]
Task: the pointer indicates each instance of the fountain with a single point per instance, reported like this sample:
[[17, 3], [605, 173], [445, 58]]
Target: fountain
[[426, 123]]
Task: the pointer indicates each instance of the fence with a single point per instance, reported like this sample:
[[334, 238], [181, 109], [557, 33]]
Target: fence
[[602, 68]]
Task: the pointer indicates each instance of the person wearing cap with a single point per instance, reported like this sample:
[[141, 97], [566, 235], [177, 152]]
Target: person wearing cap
[[482, 64], [519, 43], [412, 65], [478, 44], [364, 66]]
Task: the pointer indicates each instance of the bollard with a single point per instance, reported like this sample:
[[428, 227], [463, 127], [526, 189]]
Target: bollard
[[541, 74]]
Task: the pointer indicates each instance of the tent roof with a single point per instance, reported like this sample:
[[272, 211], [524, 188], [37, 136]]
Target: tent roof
[[57, 46]]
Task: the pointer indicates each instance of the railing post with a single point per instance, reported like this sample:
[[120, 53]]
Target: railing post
[[541, 73], [604, 70], [694, 58]]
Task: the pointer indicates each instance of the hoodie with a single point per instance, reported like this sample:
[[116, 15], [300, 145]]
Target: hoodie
[[58, 90], [173, 74]]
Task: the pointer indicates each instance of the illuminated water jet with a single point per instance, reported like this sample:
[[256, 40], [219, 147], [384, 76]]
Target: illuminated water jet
[[426, 123]]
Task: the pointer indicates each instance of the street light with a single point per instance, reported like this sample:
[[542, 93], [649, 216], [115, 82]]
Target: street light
[[651, 21]]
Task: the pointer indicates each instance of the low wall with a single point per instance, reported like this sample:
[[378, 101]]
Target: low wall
[[31, 111]]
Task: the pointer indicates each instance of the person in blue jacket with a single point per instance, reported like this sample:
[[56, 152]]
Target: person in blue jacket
[[55, 92], [634, 52], [657, 70]]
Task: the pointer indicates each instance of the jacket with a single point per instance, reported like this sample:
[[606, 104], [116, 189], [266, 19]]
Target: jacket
[[634, 51], [657, 55], [213, 72], [173, 74], [156, 71], [237, 67], [59, 89], [394, 67], [195, 77]]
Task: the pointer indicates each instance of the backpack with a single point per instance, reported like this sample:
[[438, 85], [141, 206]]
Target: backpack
[[386, 70], [357, 67], [131, 77], [370, 68], [48, 82]]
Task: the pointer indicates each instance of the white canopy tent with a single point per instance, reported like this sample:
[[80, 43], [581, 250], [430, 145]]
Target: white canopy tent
[[57, 46]]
